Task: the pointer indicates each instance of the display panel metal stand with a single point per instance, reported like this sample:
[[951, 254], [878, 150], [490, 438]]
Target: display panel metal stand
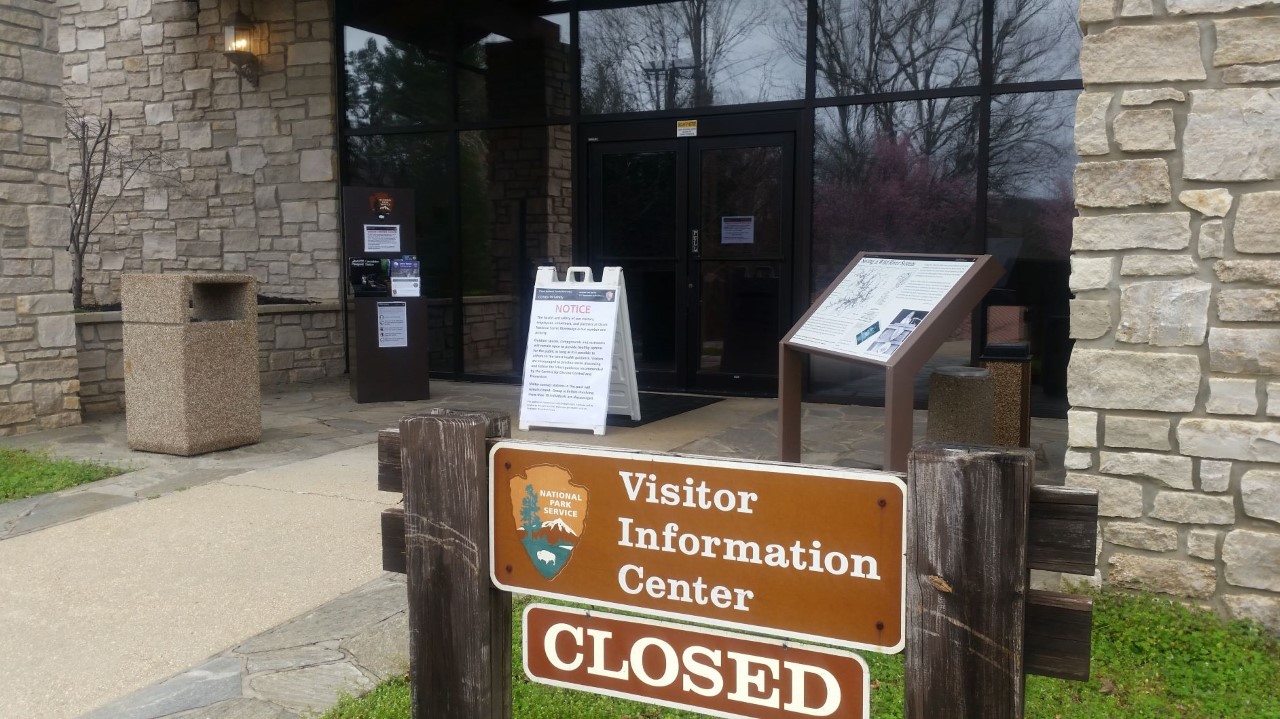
[[889, 310]]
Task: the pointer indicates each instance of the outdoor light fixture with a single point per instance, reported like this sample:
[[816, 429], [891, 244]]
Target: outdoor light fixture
[[243, 45]]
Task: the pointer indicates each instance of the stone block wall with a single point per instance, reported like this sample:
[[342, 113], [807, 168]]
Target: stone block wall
[[296, 343], [254, 186], [1175, 376], [300, 344], [100, 351], [38, 387]]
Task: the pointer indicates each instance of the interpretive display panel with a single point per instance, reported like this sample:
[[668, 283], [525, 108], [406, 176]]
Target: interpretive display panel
[[810, 553], [874, 309], [890, 310], [576, 327], [682, 667]]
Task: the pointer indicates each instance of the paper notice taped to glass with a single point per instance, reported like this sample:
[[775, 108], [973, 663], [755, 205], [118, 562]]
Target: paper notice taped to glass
[[737, 230]]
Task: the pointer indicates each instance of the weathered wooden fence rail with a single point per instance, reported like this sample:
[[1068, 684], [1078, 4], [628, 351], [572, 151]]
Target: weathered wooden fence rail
[[974, 627]]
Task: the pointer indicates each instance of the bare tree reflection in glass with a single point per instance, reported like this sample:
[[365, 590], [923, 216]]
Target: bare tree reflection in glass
[[693, 53], [894, 177], [868, 47]]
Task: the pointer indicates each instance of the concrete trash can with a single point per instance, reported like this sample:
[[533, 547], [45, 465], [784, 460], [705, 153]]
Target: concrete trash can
[[961, 406], [190, 362]]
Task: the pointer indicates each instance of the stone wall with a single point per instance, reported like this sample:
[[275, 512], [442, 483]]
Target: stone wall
[[254, 188], [37, 332], [296, 343], [1175, 376]]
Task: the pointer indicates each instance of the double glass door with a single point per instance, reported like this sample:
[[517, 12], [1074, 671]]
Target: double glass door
[[702, 228]]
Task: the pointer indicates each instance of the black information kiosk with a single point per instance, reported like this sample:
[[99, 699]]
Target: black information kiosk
[[387, 312]]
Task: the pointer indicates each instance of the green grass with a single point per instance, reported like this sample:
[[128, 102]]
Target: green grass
[[1152, 658], [26, 474]]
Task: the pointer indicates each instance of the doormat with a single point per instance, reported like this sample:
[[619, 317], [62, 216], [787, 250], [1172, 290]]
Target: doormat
[[655, 406]]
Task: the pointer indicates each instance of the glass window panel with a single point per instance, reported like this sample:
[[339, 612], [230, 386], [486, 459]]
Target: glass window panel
[[696, 53], [738, 183], [1036, 40], [516, 214], [638, 204], [420, 163], [1029, 216], [392, 83], [866, 47], [519, 70], [894, 177]]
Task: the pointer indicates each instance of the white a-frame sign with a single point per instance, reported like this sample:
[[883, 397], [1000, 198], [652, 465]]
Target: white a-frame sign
[[579, 365]]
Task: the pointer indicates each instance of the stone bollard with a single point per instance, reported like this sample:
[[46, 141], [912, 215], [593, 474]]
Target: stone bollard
[[961, 405]]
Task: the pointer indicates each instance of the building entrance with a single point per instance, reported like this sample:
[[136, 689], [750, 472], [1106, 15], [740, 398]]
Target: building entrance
[[702, 227]]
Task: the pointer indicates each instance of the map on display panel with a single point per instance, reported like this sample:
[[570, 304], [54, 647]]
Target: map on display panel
[[875, 307]]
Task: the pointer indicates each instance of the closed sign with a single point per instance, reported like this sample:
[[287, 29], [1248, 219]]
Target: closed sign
[[705, 671]]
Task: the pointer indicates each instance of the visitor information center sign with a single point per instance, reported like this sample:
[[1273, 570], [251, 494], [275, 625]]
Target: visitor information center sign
[[876, 307], [685, 667], [809, 553], [579, 362]]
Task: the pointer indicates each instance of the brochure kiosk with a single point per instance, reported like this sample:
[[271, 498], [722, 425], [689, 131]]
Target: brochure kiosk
[[386, 305]]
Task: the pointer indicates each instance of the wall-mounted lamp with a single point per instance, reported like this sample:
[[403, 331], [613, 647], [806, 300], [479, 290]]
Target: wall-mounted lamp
[[243, 45]]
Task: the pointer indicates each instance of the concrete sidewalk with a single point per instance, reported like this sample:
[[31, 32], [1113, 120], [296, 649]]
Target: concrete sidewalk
[[249, 582]]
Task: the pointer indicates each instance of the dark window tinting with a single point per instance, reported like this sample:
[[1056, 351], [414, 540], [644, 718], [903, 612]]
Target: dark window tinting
[[391, 83], [1030, 209]]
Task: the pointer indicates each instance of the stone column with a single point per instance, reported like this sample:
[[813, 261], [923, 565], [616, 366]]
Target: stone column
[[1175, 376], [38, 385]]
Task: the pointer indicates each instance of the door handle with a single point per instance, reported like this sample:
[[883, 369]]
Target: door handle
[[694, 242]]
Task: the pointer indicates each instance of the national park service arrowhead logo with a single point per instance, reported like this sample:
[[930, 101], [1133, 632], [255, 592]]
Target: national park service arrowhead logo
[[550, 512]]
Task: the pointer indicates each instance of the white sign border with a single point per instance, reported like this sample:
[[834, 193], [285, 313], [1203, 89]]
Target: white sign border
[[703, 461], [524, 658]]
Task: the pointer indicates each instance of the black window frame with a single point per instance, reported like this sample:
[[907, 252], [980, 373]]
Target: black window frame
[[805, 108]]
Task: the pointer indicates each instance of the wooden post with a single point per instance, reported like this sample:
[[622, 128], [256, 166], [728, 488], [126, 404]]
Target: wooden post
[[459, 625], [966, 581]]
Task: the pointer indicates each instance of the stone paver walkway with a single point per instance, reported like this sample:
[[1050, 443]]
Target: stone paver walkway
[[346, 646], [317, 447]]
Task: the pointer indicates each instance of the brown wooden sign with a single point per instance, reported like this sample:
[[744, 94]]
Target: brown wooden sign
[[793, 551], [700, 670]]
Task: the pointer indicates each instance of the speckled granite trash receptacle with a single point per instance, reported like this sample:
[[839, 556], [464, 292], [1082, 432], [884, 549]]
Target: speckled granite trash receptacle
[[190, 362], [961, 405]]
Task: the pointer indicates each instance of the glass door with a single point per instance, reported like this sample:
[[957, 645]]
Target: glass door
[[636, 217], [702, 228], [741, 222]]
